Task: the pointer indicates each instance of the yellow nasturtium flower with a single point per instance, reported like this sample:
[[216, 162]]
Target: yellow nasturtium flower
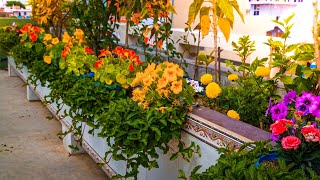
[[213, 90], [55, 41], [47, 37], [206, 79], [47, 59], [233, 114], [65, 37], [263, 71], [233, 77]]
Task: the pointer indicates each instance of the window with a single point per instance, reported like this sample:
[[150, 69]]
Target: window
[[25, 13], [256, 9]]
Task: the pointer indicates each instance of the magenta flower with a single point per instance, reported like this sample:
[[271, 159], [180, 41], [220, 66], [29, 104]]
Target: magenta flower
[[279, 111], [315, 107], [305, 99], [290, 97]]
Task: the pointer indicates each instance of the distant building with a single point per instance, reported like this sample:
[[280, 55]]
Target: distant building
[[275, 8], [15, 10]]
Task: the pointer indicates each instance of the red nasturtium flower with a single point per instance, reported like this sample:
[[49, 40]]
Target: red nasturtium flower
[[104, 53], [118, 50], [146, 40], [160, 44], [131, 68], [33, 36], [98, 64], [65, 52], [88, 50], [137, 60], [136, 18]]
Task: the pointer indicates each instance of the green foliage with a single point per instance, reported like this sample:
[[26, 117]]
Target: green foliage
[[97, 19], [252, 103], [8, 38], [9, 21], [239, 164], [15, 3], [134, 133], [292, 60]]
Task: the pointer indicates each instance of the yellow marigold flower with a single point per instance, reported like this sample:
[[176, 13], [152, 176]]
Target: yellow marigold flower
[[47, 59], [206, 79], [55, 41], [213, 90], [170, 74], [147, 81], [65, 37], [263, 71], [47, 37], [176, 87], [233, 114], [233, 77]]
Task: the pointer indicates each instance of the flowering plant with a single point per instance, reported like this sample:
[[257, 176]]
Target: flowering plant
[[77, 58], [296, 129], [31, 47], [163, 87], [118, 67]]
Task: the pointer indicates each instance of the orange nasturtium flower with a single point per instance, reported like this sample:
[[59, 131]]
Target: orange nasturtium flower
[[136, 18], [98, 64], [47, 59], [55, 41], [176, 87]]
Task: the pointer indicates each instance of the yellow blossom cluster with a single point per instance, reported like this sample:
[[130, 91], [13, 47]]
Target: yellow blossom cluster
[[206, 79], [48, 40], [233, 77], [213, 90], [233, 114], [164, 79], [262, 71]]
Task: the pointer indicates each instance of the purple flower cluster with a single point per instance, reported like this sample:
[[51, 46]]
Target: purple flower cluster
[[306, 104]]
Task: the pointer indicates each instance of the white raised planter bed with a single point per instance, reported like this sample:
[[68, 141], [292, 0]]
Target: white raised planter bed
[[209, 133]]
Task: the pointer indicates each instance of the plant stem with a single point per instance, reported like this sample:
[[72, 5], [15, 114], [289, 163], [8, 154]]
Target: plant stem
[[127, 35], [316, 36], [215, 40], [196, 63]]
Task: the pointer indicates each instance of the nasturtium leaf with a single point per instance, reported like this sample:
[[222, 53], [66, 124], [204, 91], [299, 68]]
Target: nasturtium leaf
[[121, 79]]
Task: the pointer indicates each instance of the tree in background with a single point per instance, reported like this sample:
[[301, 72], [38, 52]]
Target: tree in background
[[15, 3], [97, 18], [51, 14]]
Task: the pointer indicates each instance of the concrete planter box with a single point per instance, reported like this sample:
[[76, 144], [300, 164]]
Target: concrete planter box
[[207, 128]]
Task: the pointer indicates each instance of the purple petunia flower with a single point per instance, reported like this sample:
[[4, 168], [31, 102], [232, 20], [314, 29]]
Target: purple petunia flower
[[275, 137], [305, 99], [279, 111], [315, 107], [304, 109], [269, 107], [290, 97]]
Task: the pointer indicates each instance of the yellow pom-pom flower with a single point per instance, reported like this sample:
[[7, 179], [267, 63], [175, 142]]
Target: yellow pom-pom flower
[[233, 114], [213, 90], [206, 79], [233, 77], [263, 71]]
